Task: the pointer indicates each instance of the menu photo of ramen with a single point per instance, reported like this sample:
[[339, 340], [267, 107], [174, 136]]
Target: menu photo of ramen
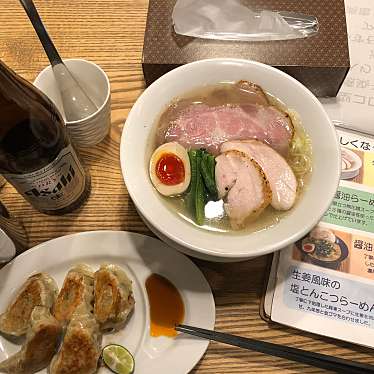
[[323, 247], [347, 252]]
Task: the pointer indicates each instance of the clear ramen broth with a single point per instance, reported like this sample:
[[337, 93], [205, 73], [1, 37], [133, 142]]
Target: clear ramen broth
[[226, 93]]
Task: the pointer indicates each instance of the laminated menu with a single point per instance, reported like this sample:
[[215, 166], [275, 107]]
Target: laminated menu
[[324, 282], [354, 106]]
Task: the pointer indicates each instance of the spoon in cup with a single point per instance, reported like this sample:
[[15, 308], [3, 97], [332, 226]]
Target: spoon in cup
[[76, 103]]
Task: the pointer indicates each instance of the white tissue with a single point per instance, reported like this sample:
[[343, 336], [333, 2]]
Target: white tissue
[[229, 20]]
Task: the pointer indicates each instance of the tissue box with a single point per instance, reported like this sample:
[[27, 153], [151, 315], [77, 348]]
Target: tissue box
[[320, 62]]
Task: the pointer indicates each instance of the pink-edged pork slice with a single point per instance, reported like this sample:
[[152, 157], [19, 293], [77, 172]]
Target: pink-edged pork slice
[[241, 92], [203, 126], [281, 178], [243, 186]]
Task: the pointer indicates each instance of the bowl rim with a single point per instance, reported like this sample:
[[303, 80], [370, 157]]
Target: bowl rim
[[238, 254]]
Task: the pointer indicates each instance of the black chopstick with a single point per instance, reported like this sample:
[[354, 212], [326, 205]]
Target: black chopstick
[[49, 47], [311, 358]]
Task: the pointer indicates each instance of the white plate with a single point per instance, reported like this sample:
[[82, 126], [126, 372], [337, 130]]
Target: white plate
[[140, 256]]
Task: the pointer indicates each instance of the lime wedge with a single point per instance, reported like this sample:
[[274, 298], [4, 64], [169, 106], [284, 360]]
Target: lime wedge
[[118, 359]]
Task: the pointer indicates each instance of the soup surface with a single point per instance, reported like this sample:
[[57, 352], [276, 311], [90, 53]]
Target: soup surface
[[225, 97]]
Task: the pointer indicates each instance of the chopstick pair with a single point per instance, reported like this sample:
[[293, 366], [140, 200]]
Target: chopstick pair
[[295, 354]]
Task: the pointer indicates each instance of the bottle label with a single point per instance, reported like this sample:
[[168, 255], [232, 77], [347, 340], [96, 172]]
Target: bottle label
[[55, 186]]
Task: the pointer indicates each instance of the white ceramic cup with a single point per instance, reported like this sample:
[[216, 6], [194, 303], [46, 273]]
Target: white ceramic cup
[[90, 130]]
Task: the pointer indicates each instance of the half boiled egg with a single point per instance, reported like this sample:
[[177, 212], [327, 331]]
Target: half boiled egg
[[309, 247], [170, 169]]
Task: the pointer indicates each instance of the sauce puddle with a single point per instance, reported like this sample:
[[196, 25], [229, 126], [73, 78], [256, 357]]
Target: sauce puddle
[[166, 306]]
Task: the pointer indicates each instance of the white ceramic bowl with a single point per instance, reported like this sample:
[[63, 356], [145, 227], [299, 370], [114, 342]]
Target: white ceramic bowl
[[135, 155]]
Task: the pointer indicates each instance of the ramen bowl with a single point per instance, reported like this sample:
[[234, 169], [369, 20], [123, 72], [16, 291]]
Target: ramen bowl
[[325, 261], [236, 245]]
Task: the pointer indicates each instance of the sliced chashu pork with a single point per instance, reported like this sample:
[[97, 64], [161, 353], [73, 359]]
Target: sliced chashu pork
[[200, 125], [114, 298], [171, 120], [253, 92], [76, 294], [39, 289], [42, 340], [243, 186], [81, 347], [239, 92], [281, 178]]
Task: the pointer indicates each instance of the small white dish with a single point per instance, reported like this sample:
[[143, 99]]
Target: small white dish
[[140, 256], [351, 164], [135, 154], [93, 80]]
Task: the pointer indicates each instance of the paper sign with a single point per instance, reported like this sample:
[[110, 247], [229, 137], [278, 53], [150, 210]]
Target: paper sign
[[354, 106]]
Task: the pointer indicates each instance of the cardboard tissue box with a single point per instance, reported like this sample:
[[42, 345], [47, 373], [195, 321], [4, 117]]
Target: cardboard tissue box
[[320, 62]]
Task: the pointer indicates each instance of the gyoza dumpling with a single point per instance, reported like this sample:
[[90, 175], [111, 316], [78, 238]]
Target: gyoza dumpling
[[114, 299], [76, 294], [42, 340], [81, 347], [39, 289]]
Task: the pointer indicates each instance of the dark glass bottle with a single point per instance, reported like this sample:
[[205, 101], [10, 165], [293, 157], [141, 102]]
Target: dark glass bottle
[[36, 155], [13, 237]]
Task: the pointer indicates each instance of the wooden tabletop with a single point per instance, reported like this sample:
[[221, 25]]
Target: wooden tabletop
[[110, 33]]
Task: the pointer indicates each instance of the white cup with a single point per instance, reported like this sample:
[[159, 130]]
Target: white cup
[[91, 130]]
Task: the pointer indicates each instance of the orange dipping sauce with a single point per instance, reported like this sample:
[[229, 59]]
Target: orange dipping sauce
[[170, 169], [166, 304]]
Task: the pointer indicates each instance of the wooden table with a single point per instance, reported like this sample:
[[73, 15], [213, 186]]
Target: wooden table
[[110, 33]]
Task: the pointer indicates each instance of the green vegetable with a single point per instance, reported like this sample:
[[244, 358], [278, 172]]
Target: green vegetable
[[324, 248], [193, 155], [207, 171], [202, 187], [118, 359], [200, 194], [197, 195]]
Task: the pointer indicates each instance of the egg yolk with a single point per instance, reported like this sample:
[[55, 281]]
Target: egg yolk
[[170, 169]]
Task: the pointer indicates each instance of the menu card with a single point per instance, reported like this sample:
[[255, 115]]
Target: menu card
[[324, 282], [354, 106]]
